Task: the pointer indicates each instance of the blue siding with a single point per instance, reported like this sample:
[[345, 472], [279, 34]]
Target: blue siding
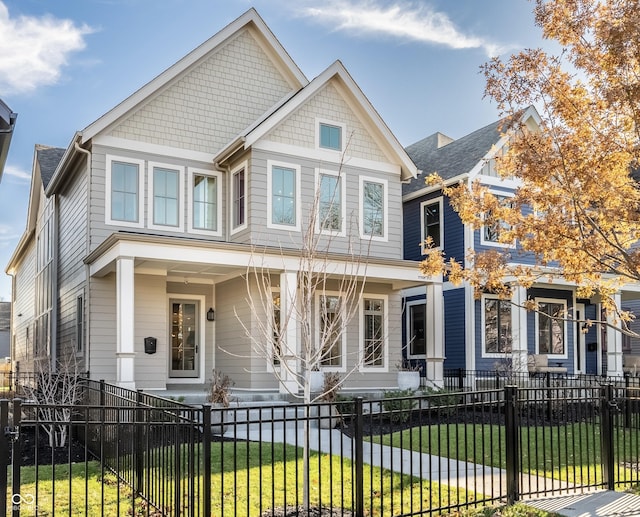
[[454, 329]]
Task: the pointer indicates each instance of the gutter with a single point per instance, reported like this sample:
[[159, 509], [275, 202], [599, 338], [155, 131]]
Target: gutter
[[5, 139]]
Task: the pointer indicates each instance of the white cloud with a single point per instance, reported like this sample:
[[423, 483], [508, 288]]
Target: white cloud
[[401, 20], [34, 50], [17, 173]]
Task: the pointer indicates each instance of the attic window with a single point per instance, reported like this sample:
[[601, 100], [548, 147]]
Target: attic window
[[330, 137]]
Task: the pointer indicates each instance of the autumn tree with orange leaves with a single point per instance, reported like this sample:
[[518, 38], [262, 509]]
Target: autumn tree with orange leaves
[[577, 209]]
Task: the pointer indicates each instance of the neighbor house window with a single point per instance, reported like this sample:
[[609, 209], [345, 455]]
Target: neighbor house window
[[238, 199], [373, 333], [497, 325], [79, 323], [551, 327], [416, 331], [166, 193], [330, 331], [330, 203], [283, 195], [124, 185], [432, 222], [493, 229], [331, 137], [373, 209]]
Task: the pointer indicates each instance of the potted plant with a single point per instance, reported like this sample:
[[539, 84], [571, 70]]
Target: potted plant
[[328, 413], [408, 375], [219, 395]]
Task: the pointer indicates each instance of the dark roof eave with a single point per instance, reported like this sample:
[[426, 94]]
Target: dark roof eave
[[5, 141]]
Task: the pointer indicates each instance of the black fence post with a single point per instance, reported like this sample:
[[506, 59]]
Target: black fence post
[[627, 402], [606, 436], [549, 396], [15, 455], [4, 455], [206, 452], [102, 397], [359, 472], [138, 449], [512, 439], [460, 379]]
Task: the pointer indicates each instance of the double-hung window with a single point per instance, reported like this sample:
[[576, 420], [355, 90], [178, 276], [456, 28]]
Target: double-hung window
[[330, 331], [283, 194], [373, 209], [373, 333], [166, 196], [124, 187], [497, 325], [551, 327], [432, 222], [205, 202], [493, 228], [238, 198], [330, 203]]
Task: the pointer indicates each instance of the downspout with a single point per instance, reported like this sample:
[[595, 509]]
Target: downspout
[[87, 292]]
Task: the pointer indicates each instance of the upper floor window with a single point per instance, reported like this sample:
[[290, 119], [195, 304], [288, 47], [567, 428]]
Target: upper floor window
[[551, 327], [493, 228], [373, 209], [497, 325], [330, 135], [283, 192], [432, 222], [124, 187], [205, 203], [374, 339], [238, 199], [330, 203], [165, 196]]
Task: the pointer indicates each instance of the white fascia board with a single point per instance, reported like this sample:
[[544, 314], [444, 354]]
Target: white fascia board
[[249, 17], [155, 149], [433, 188]]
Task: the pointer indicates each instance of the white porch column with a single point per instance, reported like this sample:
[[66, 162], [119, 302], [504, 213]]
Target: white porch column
[[519, 349], [614, 343], [291, 347], [435, 334], [125, 323]]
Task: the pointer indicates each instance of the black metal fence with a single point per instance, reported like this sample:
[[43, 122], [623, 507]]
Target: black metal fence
[[129, 453]]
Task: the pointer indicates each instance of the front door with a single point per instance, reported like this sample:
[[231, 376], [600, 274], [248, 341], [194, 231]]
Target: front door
[[184, 336]]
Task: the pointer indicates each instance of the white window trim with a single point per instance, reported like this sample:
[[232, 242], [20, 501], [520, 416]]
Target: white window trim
[[288, 227], [564, 323], [191, 172], [495, 244], [231, 190], [408, 328], [343, 342], [385, 222], [385, 355], [81, 330], [270, 366], [440, 201], [107, 194], [151, 190], [343, 129], [483, 327], [343, 202]]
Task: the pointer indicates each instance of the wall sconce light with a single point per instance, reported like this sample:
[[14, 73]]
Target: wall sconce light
[[211, 315]]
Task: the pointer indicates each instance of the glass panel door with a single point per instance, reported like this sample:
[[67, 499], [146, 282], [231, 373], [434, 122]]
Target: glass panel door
[[184, 338]]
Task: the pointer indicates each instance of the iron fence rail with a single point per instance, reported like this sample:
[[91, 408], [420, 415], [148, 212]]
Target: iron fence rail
[[129, 453]]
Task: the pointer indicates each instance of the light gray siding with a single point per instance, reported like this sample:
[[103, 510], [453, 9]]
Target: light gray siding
[[24, 309]]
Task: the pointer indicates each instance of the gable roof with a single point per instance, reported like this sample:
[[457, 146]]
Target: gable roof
[[7, 124], [453, 159], [381, 132], [48, 159], [250, 18]]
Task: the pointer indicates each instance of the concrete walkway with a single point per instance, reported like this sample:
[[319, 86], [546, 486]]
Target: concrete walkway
[[599, 504]]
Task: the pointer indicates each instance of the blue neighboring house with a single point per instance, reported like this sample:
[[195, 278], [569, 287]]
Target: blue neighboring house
[[487, 333]]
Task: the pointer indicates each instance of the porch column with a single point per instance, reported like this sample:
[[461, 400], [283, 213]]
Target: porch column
[[614, 343], [435, 334], [519, 348], [289, 368], [125, 323]]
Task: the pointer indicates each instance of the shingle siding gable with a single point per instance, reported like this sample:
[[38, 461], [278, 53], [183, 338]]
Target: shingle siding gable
[[209, 105]]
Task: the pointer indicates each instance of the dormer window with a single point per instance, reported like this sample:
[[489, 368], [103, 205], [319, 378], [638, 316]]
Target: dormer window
[[330, 135]]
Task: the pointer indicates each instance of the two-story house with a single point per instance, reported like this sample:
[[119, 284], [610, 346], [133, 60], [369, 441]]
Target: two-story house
[[489, 333], [142, 232]]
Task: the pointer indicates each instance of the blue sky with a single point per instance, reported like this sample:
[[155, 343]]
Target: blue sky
[[65, 63]]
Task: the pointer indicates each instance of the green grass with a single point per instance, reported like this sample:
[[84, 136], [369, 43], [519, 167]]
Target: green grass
[[247, 490], [570, 453]]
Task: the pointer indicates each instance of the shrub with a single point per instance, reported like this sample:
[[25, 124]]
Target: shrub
[[398, 404]]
